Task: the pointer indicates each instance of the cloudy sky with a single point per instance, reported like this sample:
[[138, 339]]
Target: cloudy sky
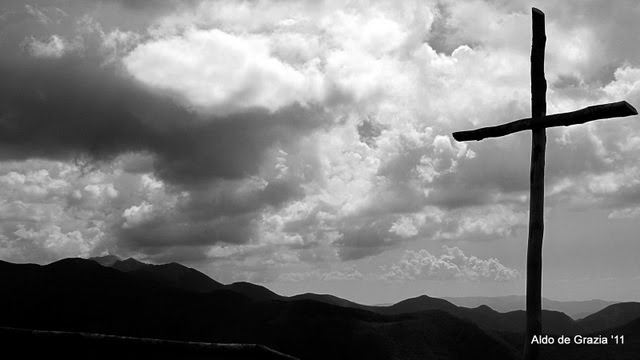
[[306, 145]]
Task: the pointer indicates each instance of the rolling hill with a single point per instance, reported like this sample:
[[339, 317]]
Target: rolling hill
[[173, 275], [575, 309], [174, 302], [612, 316], [87, 297]]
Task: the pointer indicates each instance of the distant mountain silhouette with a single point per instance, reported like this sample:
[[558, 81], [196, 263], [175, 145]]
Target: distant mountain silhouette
[[174, 302], [575, 309], [173, 275], [612, 316], [178, 276], [418, 304], [68, 276], [254, 291], [87, 297], [553, 322], [333, 300], [627, 347]]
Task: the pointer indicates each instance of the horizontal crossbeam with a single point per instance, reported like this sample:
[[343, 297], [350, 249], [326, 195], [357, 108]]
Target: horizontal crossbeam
[[591, 113]]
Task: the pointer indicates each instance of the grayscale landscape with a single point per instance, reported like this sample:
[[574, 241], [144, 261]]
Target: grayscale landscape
[[333, 179]]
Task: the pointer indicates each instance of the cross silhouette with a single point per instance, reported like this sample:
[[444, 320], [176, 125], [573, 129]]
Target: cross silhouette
[[537, 123]]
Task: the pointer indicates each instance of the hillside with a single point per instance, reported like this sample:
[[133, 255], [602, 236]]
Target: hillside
[[575, 309], [88, 297], [173, 275], [36, 344], [610, 317], [554, 322], [627, 348], [174, 302]]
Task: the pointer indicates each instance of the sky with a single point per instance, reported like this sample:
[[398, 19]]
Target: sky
[[306, 145]]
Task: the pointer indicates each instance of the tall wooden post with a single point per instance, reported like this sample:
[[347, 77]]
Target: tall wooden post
[[536, 197], [537, 123]]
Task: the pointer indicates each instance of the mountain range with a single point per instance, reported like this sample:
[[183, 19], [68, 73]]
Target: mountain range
[[129, 298], [575, 309]]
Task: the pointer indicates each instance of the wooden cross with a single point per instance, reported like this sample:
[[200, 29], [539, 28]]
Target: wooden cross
[[537, 123]]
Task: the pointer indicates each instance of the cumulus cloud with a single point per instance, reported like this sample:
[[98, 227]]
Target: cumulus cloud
[[101, 190], [320, 131], [43, 215], [83, 105], [453, 264], [222, 73], [404, 227], [137, 214], [60, 244], [495, 221], [35, 184]]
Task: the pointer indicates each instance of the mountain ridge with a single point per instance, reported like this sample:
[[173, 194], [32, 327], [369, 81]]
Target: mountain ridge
[[156, 306], [576, 309], [121, 304], [554, 322]]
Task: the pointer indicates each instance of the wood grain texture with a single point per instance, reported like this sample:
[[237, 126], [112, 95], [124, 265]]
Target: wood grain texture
[[536, 198], [591, 113]]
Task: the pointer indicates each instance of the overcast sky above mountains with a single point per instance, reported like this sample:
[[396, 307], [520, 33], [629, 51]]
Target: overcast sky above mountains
[[306, 144]]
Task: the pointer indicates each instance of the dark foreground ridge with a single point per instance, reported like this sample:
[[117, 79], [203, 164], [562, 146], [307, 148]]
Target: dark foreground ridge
[[31, 344], [172, 311]]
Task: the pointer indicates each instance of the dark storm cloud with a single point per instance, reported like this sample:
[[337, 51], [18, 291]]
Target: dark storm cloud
[[363, 238], [165, 232], [77, 106], [232, 147], [230, 199], [56, 108]]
